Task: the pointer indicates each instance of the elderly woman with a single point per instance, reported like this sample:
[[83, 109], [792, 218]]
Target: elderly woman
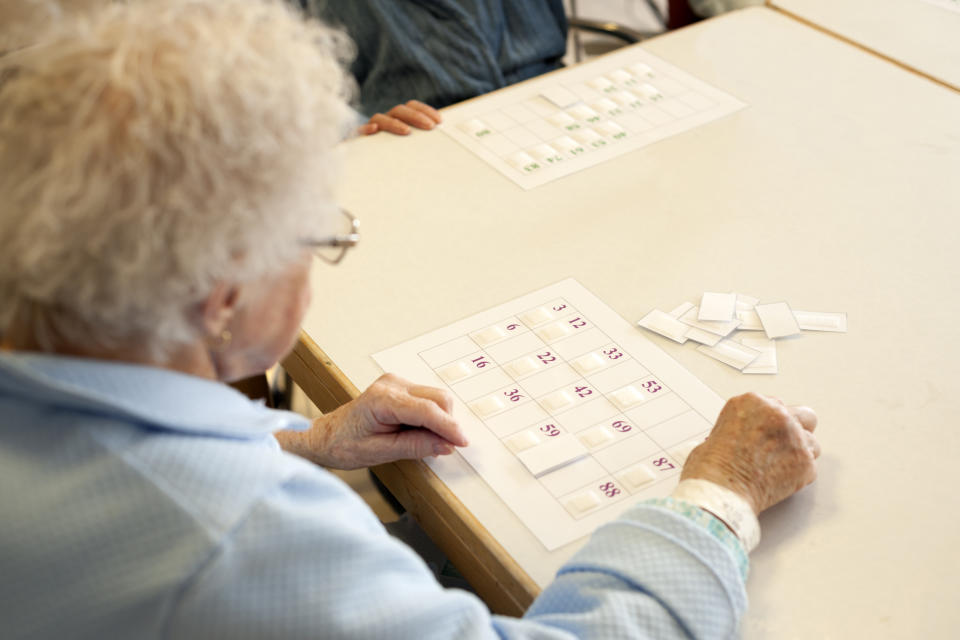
[[165, 169]]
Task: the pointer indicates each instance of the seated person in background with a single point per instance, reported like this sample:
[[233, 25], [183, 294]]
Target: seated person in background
[[156, 220], [440, 52]]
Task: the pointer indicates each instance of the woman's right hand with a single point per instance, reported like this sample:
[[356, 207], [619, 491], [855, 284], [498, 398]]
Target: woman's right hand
[[759, 448]]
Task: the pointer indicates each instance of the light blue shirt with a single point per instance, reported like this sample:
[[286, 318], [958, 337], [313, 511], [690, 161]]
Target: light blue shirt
[[137, 502]]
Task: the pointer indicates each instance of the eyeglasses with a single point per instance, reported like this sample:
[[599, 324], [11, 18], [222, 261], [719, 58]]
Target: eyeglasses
[[332, 249]]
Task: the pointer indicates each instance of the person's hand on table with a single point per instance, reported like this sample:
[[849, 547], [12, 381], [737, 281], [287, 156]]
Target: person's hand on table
[[401, 117], [760, 449], [392, 420]]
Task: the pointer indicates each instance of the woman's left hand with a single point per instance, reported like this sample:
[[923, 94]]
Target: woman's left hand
[[392, 420], [400, 118]]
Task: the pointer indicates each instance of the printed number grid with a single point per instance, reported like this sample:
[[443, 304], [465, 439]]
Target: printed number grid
[[547, 128], [548, 381]]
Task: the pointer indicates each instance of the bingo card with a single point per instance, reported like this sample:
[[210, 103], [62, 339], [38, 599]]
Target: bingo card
[[552, 126], [572, 413]]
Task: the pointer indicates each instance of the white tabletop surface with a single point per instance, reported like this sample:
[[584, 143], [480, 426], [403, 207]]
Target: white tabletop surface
[[825, 192], [920, 34]]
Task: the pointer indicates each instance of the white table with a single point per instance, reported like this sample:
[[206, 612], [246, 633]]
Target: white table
[[920, 35], [825, 192]]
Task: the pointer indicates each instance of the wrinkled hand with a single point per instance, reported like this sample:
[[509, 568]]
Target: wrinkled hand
[[399, 119], [392, 420], [759, 448]]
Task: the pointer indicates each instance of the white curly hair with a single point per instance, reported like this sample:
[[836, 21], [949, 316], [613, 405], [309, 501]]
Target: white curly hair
[[151, 149]]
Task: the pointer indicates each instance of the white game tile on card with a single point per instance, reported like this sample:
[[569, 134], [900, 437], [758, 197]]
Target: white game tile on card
[[546, 153], [490, 335], [551, 455], [569, 146], [523, 161], [627, 99], [596, 437], [588, 363], [626, 397], [536, 316], [681, 452], [522, 441], [649, 92], [602, 84], [454, 372], [583, 502], [583, 112], [554, 331], [559, 96], [476, 127], [557, 401], [607, 106], [612, 130], [589, 138], [563, 120], [777, 319], [488, 406], [717, 307], [637, 477], [522, 367]]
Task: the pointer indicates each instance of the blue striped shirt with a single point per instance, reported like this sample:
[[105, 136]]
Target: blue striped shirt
[[445, 51]]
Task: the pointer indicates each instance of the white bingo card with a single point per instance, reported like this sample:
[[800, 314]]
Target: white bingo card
[[549, 127], [571, 412]]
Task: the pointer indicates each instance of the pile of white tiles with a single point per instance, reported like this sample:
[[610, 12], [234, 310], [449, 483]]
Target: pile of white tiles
[[712, 324]]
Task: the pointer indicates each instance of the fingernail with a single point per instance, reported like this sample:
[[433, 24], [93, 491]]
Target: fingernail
[[442, 449]]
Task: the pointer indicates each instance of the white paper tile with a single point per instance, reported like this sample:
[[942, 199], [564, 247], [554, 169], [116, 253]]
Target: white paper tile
[[554, 331], [595, 437], [626, 397], [454, 372], [560, 96], [766, 362], [681, 452], [552, 454], [489, 335], [777, 319], [522, 367], [583, 502], [665, 324], [588, 363], [821, 321], [745, 302], [488, 406], [749, 320], [720, 328], [703, 337], [636, 478], [536, 316], [681, 309], [717, 307], [522, 441], [557, 401], [731, 353]]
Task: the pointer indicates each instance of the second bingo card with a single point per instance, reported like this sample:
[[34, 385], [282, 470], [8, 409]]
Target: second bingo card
[[572, 414]]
